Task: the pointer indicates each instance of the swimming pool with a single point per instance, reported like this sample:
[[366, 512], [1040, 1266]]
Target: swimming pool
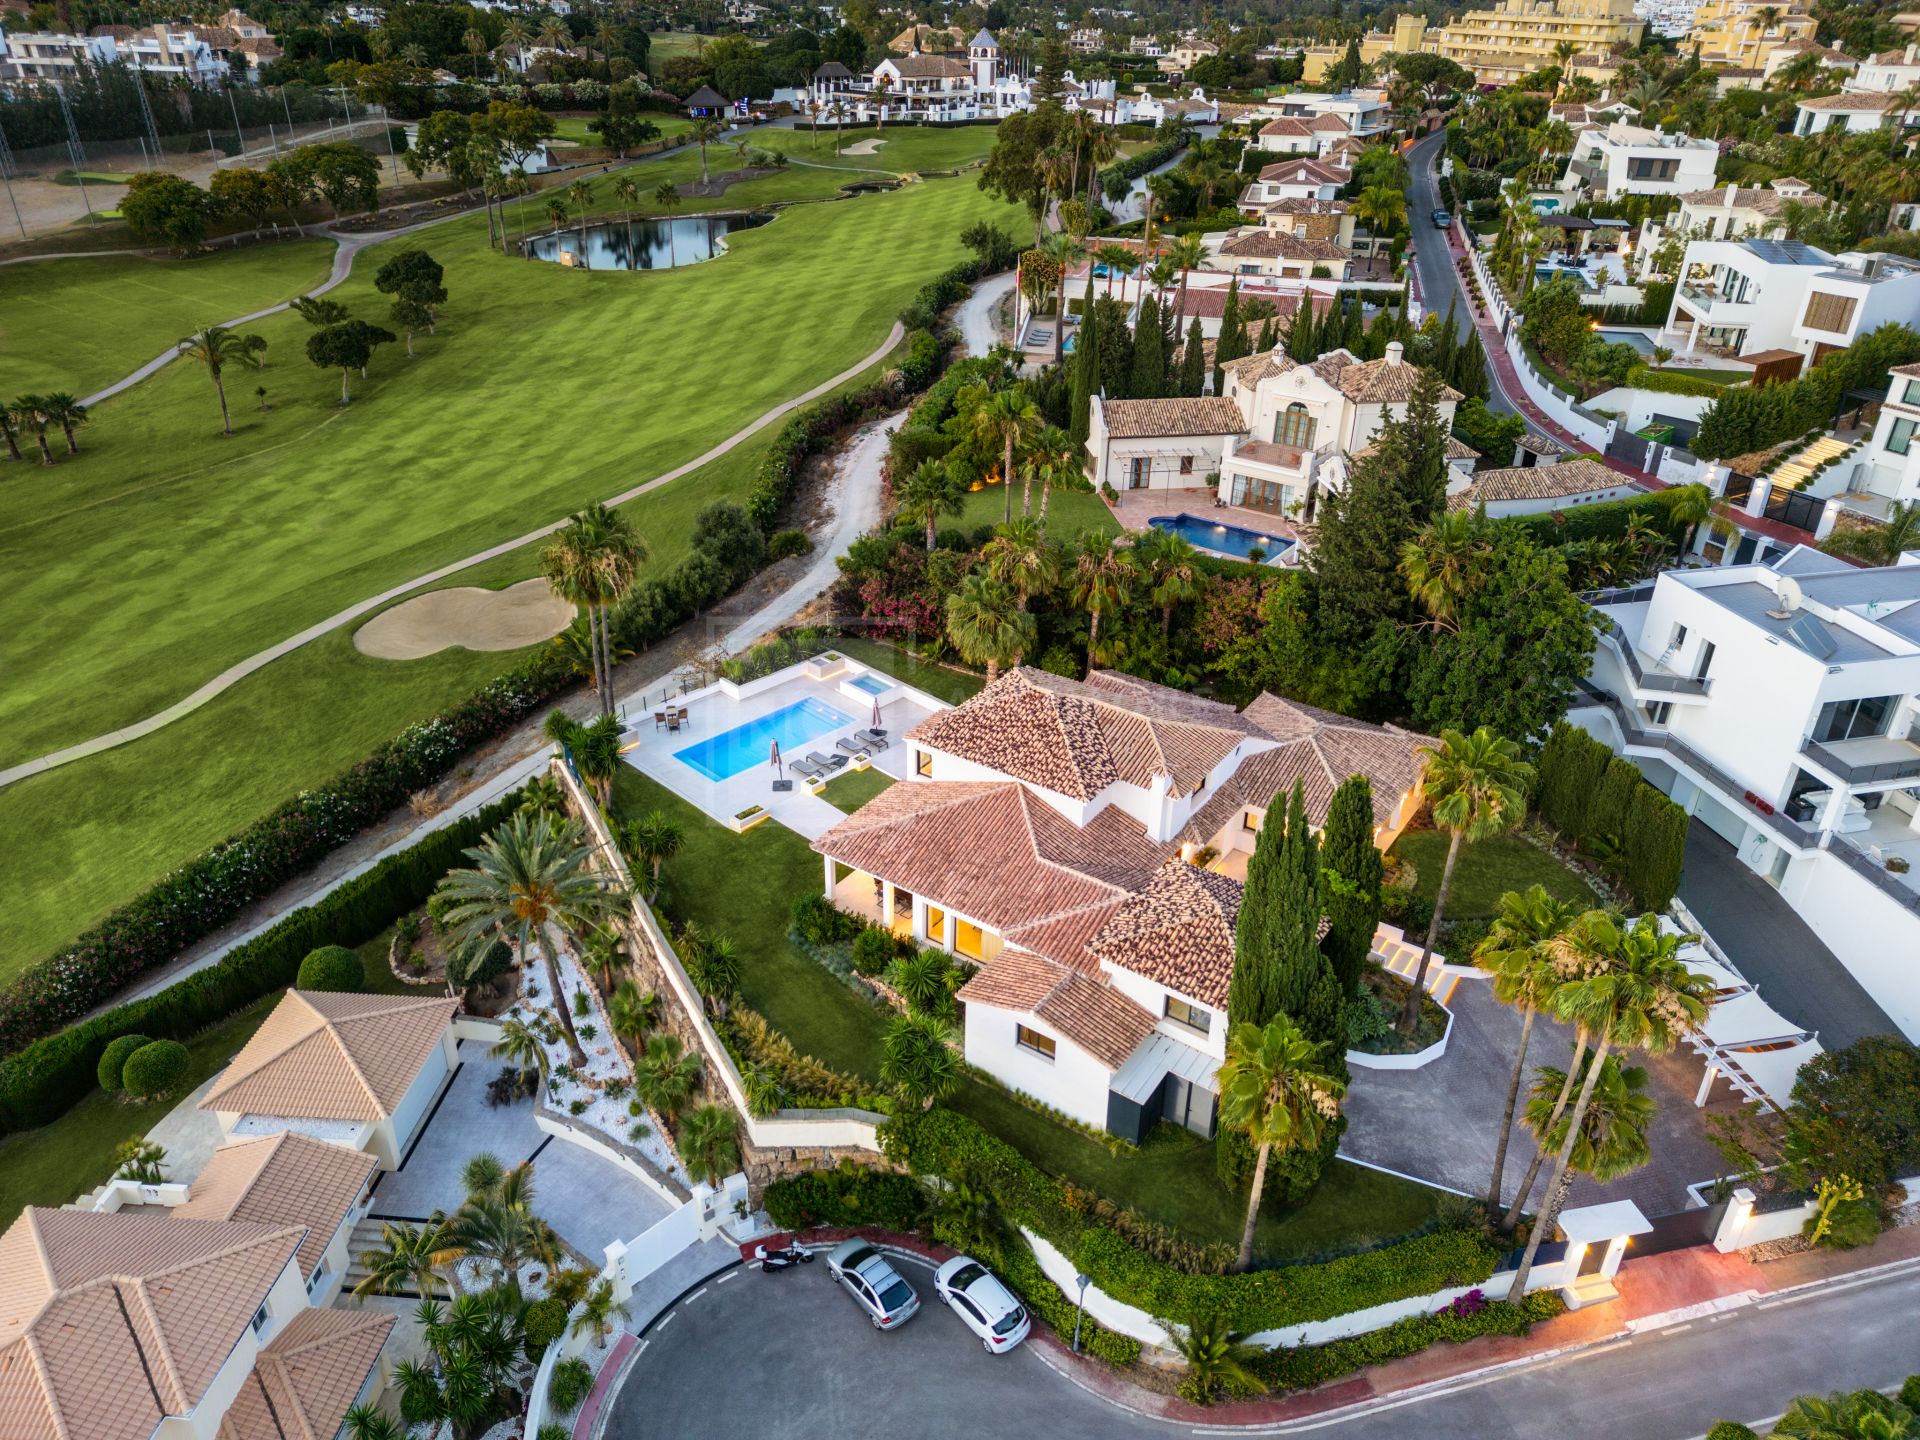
[[731, 751], [1638, 339], [872, 684], [1222, 539]]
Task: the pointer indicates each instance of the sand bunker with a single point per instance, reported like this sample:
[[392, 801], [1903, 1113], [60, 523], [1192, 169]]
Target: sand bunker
[[471, 618], [863, 147]]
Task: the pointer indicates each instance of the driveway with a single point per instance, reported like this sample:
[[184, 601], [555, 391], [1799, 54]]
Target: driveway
[[1773, 947], [1441, 1123], [591, 1202]]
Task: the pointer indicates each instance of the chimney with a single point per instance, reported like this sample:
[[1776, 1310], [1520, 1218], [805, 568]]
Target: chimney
[[1732, 191], [1395, 352], [1911, 49]]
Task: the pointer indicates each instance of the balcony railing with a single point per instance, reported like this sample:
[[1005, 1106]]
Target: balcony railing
[[1709, 298], [1904, 767], [1844, 850], [1643, 678]]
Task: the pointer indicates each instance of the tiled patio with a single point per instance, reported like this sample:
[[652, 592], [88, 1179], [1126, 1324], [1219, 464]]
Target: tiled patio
[[1134, 508], [655, 752]]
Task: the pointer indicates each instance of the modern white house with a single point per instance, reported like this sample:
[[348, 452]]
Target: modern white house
[[143, 1325], [1085, 844], [1884, 472], [356, 1070], [1301, 179], [1626, 159], [1747, 296], [1731, 212], [45, 55], [1310, 124], [1777, 703]]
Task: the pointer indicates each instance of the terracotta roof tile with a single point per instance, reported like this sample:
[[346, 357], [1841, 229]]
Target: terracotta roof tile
[[1579, 476], [1286, 125], [283, 1179], [1178, 931], [1299, 170], [1089, 1012], [1850, 102], [1197, 415], [1279, 245], [333, 1056], [305, 1380], [110, 1323], [1374, 382]]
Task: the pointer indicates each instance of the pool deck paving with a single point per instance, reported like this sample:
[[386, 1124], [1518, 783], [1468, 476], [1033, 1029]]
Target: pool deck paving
[[1134, 508]]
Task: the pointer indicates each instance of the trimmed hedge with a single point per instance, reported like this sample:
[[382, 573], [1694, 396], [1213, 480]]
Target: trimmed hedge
[[218, 884], [111, 1070], [331, 967], [850, 1195], [1671, 382], [1606, 520], [546, 1322], [942, 1143], [156, 1068], [1588, 793], [1457, 1323], [1130, 168], [42, 1081]]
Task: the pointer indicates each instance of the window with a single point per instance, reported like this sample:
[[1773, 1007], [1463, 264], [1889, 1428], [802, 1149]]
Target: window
[[1191, 1016], [1911, 395], [1832, 313], [1705, 662], [1855, 719], [1657, 714], [1295, 426], [1679, 637], [1900, 437], [967, 939], [1186, 464], [1250, 822], [1033, 1040], [936, 925], [260, 1318], [923, 764]]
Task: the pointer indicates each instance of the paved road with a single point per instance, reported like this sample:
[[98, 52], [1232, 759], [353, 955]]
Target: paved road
[[788, 1355], [1438, 282], [1773, 947]]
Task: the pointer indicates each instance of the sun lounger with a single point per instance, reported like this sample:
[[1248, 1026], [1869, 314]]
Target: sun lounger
[[825, 762], [871, 739], [806, 768], [851, 745]]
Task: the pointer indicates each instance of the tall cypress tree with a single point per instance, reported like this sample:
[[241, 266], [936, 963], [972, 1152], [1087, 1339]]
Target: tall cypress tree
[[1116, 349], [1265, 342], [1086, 368], [1469, 370], [1300, 332], [1193, 361], [1149, 356], [1232, 343], [1294, 927], [1356, 331], [1351, 867]]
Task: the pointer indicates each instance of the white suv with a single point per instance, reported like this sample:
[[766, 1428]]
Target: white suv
[[986, 1306]]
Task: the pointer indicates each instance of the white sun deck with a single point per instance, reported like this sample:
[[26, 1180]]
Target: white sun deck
[[837, 689]]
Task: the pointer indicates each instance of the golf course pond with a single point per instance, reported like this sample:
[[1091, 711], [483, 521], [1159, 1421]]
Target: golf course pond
[[642, 244]]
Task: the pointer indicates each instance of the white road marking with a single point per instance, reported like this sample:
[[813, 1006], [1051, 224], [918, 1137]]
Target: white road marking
[[665, 1320], [694, 1296], [726, 1277]]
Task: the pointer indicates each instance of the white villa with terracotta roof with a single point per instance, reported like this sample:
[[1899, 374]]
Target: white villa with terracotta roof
[[1281, 432], [1085, 843]]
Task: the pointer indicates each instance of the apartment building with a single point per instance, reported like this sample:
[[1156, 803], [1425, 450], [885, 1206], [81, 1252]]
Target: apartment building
[[1409, 36], [1732, 212], [1745, 33], [1518, 37], [1778, 703], [1625, 159], [1741, 297], [42, 55]]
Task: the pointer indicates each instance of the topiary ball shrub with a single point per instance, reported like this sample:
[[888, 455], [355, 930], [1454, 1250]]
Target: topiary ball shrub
[[546, 1320], [874, 950], [156, 1068], [113, 1061], [332, 967]]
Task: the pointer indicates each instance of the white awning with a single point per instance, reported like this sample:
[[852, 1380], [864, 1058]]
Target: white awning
[[1589, 1224], [1770, 1072], [1158, 1056], [1746, 1019]]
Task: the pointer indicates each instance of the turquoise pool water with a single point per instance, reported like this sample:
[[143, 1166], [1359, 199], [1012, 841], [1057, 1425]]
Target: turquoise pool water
[[1638, 339], [872, 684], [1223, 539], [731, 751]]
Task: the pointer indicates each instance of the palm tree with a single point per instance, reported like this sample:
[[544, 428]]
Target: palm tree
[[1515, 953], [516, 34], [556, 213], [633, 1014], [30, 412], [482, 1175], [1613, 1132], [1384, 208], [1443, 563], [520, 1047], [667, 196], [709, 1144], [1861, 1415], [1021, 557], [67, 412], [599, 1311], [601, 951], [837, 112], [1006, 417], [1059, 461], [1884, 544], [595, 748], [628, 194], [1217, 1357], [408, 1255], [664, 1076], [1187, 253], [581, 193], [216, 347], [1159, 191], [1168, 569], [987, 625], [1632, 992], [498, 1226], [705, 131], [1476, 785], [527, 876], [1275, 1088], [364, 1422], [917, 1061], [881, 85], [590, 564], [9, 432], [1063, 250], [651, 840], [1117, 258], [1103, 577], [927, 494], [476, 44], [555, 35]]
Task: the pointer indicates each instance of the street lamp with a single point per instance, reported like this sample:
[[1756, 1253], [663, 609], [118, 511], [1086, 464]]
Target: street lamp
[[1080, 1308]]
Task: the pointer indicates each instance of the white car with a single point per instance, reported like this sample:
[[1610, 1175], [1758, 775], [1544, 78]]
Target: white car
[[983, 1304]]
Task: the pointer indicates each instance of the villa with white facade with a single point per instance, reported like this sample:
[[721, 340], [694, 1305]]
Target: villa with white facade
[[1310, 124], [1731, 212], [1085, 844], [983, 86], [1778, 704], [1884, 472], [1855, 113], [1626, 159], [1746, 296]]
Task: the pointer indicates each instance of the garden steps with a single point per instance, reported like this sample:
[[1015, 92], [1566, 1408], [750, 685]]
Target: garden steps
[[1400, 956], [1795, 469], [366, 1236]]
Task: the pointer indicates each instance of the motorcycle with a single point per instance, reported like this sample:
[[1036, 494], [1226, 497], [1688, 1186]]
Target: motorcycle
[[782, 1259]]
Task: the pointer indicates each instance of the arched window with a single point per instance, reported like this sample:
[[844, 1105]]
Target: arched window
[[1295, 427]]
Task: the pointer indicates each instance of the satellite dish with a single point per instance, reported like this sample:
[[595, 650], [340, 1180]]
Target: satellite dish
[[1790, 597]]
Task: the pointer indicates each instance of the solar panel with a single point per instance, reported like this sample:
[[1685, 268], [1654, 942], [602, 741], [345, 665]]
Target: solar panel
[[1785, 252], [1811, 635]]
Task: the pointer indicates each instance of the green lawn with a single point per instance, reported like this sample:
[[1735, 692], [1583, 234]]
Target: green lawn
[[900, 151], [78, 325], [1486, 871], [953, 686], [543, 389], [573, 128], [1069, 512], [855, 789], [53, 1164]]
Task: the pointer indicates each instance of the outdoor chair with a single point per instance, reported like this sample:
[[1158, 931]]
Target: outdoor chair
[[825, 762], [851, 745], [682, 717], [871, 739], [805, 768], [659, 719], [673, 724]]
